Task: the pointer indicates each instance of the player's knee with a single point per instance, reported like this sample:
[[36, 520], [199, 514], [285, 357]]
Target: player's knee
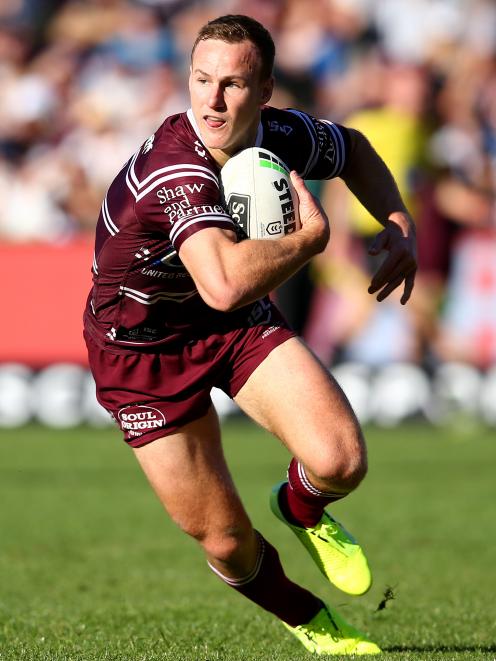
[[226, 543], [344, 465], [342, 477], [353, 471], [227, 547]]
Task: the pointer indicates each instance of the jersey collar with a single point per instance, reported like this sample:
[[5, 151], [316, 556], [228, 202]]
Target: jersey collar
[[192, 121]]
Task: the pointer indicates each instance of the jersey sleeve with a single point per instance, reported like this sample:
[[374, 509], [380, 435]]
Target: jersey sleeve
[[326, 146], [181, 199]]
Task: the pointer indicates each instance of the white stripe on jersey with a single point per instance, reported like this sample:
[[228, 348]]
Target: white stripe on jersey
[[151, 299], [95, 265], [177, 175], [178, 166], [260, 135], [181, 225], [109, 224], [130, 170], [340, 148], [315, 153]]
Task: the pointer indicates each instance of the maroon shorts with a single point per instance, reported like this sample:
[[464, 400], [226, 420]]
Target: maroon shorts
[[154, 394]]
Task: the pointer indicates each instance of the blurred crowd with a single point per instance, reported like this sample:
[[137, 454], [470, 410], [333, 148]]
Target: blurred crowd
[[83, 82]]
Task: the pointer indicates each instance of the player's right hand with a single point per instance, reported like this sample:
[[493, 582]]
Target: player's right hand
[[313, 218]]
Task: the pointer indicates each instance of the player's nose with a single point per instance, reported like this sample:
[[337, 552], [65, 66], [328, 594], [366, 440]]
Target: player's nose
[[216, 97]]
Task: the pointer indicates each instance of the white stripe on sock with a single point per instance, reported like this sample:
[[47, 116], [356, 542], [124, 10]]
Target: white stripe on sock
[[238, 582], [311, 489]]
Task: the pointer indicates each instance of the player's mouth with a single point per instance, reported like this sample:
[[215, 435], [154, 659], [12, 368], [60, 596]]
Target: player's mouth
[[214, 122]]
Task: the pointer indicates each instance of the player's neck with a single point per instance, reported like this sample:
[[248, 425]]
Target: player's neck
[[221, 156]]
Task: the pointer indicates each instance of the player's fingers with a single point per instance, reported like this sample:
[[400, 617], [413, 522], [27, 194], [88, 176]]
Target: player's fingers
[[400, 271], [309, 205], [384, 293], [391, 268], [304, 195], [409, 282], [298, 183]]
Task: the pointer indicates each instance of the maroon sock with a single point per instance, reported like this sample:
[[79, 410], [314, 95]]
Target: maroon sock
[[300, 501], [268, 586]]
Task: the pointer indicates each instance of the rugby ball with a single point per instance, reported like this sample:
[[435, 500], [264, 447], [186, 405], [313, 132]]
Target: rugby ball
[[259, 194]]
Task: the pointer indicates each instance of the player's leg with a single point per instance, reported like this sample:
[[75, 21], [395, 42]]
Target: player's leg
[[291, 394], [188, 472]]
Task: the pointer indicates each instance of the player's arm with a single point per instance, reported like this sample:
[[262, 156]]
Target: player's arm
[[229, 274], [369, 179]]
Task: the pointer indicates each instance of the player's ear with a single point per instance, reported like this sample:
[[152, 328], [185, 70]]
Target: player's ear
[[267, 89]]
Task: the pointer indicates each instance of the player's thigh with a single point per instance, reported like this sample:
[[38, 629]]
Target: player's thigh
[[296, 398], [189, 473]]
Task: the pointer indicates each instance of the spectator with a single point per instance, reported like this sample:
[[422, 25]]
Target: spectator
[[75, 75], [394, 103]]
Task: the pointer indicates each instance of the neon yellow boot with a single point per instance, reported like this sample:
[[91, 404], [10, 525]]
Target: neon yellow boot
[[327, 633], [335, 552]]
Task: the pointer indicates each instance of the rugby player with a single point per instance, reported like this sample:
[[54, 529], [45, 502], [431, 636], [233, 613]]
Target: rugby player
[[180, 305]]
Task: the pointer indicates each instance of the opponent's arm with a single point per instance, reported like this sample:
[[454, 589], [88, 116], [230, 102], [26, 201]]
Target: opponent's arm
[[229, 274], [370, 180]]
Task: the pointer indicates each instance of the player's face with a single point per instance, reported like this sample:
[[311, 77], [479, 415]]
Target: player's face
[[227, 92]]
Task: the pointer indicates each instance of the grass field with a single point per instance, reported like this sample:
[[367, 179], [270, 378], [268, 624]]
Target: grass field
[[91, 568]]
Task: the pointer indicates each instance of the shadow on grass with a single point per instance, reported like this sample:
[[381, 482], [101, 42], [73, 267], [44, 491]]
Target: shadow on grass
[[439, 648]]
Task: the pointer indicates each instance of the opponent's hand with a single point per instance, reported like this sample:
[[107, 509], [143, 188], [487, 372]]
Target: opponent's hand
[[400, 266], [313, 218]]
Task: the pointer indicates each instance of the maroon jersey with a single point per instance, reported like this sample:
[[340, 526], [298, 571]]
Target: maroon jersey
[[142, 296]]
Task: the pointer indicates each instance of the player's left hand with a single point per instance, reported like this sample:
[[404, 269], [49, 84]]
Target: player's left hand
[[400, 266]]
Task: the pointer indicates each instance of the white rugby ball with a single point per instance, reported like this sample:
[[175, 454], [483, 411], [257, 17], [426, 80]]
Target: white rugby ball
[[259, 194]]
